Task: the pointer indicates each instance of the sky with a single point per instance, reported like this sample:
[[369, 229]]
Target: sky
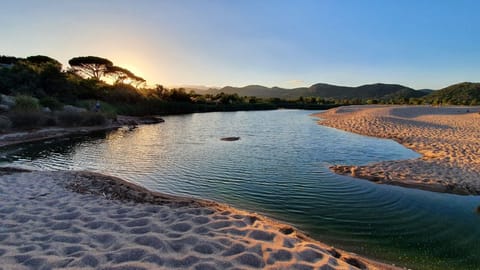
[[418, 43]]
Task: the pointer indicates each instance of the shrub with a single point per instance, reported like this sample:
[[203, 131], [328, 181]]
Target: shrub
[[69, 118], [5, 123], [26, 103], [26, 119], [93, 119], [51, 103], [105, 108]]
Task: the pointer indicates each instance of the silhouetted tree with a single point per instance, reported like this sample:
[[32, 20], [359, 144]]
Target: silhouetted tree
[[90, 66], [124, 76], [42, 59], [8, 60]]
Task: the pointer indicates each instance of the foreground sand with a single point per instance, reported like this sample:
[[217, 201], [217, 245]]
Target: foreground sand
[[73, 220], [448, 138]]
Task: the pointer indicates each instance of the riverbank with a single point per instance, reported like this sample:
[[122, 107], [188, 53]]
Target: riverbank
[[89, 220], [448, 139], [18, 137]]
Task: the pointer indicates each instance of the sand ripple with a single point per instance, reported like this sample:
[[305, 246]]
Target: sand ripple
[[108, 223]]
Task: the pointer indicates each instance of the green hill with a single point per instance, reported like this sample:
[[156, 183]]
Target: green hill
[[372, 91], [466, 93]]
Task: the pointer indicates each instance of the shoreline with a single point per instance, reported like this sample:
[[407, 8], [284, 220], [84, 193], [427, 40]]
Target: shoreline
[[447, 139], [14, 138], [258, 241]]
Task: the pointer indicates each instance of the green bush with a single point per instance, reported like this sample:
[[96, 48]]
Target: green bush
[[5, 123], [26, 103], [26, 119], [51, 103]]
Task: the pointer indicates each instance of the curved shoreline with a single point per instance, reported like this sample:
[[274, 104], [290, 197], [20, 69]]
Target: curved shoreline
[[260, 242], [446, 137], [14, 138]]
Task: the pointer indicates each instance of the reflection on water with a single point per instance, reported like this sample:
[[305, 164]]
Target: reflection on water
[[279, 167]]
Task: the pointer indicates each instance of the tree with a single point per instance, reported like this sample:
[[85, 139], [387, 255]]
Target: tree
[[90, 66], [124, 76], [8, 60], [42, 59]]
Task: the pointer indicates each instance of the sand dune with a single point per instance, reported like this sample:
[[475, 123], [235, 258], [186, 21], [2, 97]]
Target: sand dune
[[79, 220], [447, 137]]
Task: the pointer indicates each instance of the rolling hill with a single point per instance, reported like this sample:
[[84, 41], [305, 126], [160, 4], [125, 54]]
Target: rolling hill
[[466, 93], [327, 91]]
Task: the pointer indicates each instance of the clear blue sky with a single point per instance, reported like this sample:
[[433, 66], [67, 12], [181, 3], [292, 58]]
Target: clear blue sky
[[418, 43]]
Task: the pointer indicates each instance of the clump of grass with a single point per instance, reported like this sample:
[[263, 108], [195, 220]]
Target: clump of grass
[[24, 103], [51, 103]]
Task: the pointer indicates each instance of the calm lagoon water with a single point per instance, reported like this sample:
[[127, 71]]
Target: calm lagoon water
[[279, 168]]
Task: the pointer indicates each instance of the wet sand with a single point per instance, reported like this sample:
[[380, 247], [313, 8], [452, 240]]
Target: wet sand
[[448, 138], [83, 220]]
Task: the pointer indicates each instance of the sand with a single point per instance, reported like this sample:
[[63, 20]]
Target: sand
[[448, 138], [81, 220]]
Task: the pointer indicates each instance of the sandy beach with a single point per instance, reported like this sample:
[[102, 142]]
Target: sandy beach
[[448, 138], [82, 220]]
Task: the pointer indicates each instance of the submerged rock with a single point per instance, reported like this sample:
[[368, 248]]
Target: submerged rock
[[230, 139]]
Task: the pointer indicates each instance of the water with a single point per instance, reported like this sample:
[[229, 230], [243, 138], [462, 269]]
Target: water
[[279, 167]]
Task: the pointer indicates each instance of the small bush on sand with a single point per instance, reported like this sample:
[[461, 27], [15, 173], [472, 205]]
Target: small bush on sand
[[25, 103], [26, 119], [5, 123]]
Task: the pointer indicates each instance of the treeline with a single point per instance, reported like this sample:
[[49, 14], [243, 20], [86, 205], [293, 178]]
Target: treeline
[[90, 79]]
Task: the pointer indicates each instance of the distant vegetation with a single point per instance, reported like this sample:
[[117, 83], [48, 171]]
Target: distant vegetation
[[372, 93], [458, 94], [38, 89]]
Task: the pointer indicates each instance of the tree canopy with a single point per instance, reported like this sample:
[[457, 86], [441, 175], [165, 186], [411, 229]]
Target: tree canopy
[[124, 76], [8, 60], [90, 67]]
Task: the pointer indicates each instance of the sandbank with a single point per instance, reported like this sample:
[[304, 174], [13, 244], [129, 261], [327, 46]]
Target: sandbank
[[83, 220], [448, 138]]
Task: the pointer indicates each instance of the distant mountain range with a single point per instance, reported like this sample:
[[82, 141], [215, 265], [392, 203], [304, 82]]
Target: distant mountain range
[[327, 91]]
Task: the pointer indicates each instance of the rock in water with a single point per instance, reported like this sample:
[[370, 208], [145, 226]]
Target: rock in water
[[230, 139]]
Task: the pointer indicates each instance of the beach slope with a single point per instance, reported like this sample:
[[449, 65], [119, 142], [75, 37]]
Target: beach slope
[[448, 138]]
